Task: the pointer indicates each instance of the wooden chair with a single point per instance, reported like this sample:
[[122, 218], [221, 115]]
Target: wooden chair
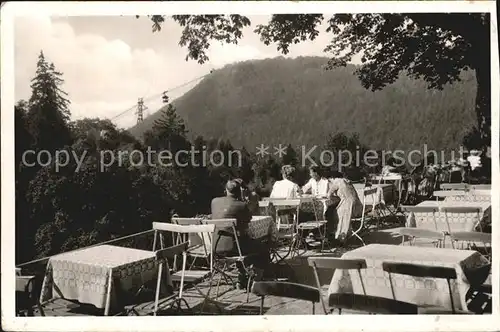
[[334, 263], [413, 233], [285, 289], [162, 257], [367, 192], [194, 276], [424, 271], [27, 295]]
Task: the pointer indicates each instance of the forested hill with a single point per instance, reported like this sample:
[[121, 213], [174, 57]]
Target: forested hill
[[296, 101]]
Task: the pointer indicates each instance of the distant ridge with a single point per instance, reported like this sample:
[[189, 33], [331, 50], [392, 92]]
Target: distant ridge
[[296, 101]]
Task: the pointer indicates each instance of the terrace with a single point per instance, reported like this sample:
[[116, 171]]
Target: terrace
[[234, 301]]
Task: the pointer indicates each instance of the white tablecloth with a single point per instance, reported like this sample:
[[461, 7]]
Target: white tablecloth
[[420, 291], [458, 222], [83, 275]]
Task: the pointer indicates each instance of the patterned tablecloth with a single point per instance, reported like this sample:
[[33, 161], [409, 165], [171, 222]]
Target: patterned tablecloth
[[84, 275], [261, 227], [458, 221], [420, 291]]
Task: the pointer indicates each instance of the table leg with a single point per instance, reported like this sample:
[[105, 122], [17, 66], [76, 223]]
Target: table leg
[[108, 293]]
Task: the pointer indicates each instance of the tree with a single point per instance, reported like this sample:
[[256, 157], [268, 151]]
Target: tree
[[48, 112], [168, 132], [290, 157], [433, 46]]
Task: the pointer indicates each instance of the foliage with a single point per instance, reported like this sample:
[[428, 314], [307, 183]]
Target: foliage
[[434, 46], [294, 101]]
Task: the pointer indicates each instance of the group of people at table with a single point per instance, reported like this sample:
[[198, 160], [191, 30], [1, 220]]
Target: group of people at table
[[239, 203]]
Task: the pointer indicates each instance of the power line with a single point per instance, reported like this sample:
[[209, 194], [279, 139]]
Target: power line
[[160, 94]]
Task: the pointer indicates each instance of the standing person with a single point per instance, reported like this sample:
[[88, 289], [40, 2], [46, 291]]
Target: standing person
[[346, 206], [318, 185], [286, 188]]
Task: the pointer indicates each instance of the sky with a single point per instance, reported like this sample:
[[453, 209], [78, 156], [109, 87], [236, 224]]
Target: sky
[[108, 62]]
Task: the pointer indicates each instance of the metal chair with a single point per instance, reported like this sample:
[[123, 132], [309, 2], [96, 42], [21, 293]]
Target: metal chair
[[148, 307], [367, 192], [27, 295], [424, 271], [285, 289], [414, 233], [333, 263], [193, 276]]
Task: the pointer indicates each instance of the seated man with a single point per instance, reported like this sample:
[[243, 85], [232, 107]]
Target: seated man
[[318, 185], [232, 207]]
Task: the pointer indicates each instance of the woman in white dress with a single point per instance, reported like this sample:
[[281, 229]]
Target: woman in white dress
[[349, 205]]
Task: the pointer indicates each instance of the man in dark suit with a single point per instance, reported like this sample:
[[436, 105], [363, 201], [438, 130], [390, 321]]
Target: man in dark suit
[[231, 206]]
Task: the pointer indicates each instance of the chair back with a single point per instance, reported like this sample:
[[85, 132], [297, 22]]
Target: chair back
[[421, 271], [285, 289], [224, 228], [454, 186], [334, 263], [448, 193], [286, 205], [371, 304], [181, 234], [368, 192], [480, 192], [472, 214], [429, 211], [187, 221], [480, 187], [194, 239]]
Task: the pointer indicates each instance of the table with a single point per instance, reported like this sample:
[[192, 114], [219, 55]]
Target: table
[[91, 275], [420, 291], [458, 222], [261, 227]]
